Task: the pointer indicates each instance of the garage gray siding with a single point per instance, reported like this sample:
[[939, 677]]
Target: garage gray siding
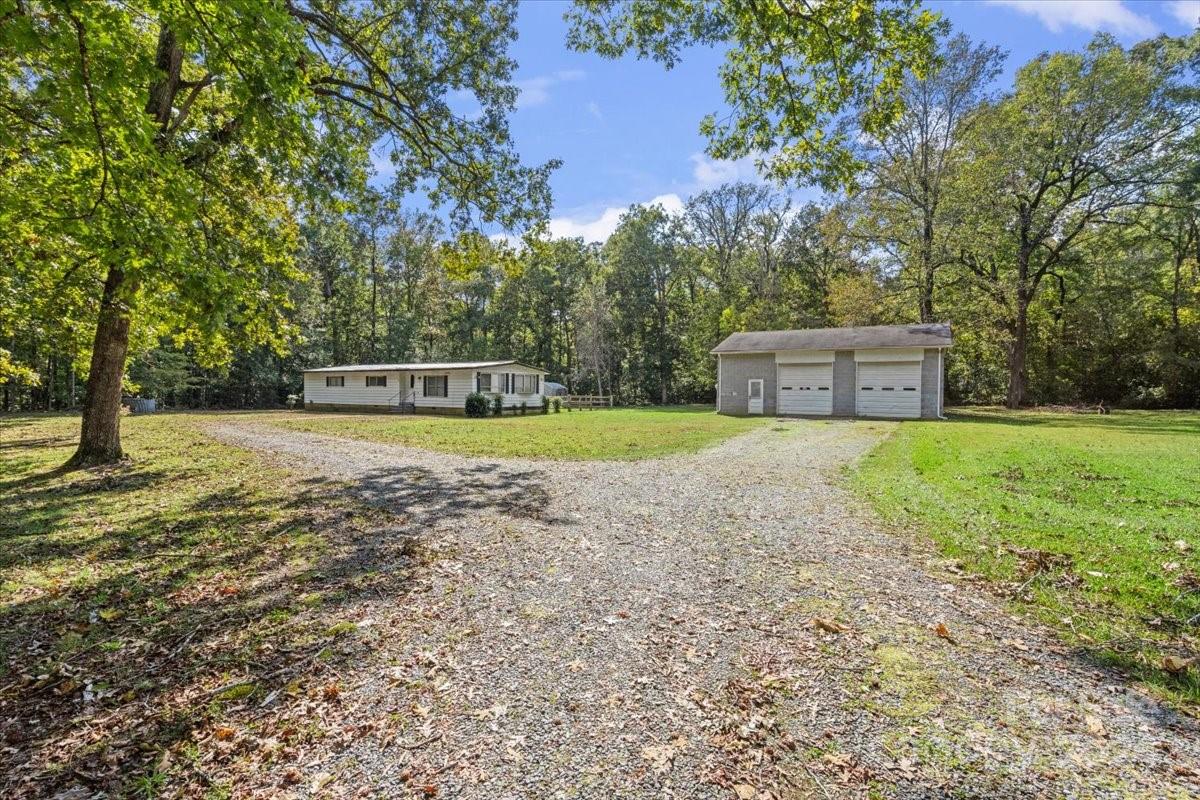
[[736, 371], [930, 383], [843, 383]]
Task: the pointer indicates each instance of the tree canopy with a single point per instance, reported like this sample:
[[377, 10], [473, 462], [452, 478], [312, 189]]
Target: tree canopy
[[793, 70], [157, 156]]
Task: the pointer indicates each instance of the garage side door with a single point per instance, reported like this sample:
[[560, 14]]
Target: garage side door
[[805, 389], [889, 389]]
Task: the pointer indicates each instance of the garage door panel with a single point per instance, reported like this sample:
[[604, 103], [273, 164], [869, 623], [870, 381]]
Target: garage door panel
[[805, 389], [889, 389]]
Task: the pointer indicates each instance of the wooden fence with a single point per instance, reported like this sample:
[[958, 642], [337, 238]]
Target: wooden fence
[[587, 400]]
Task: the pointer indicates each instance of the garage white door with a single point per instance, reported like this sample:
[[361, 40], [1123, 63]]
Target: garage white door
[[805, 389], [889, 389]]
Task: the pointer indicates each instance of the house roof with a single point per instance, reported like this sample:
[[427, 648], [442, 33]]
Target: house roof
[[933, 334], [447, 365]]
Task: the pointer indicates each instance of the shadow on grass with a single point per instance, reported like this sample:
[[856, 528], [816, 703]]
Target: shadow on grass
[[157, 635]]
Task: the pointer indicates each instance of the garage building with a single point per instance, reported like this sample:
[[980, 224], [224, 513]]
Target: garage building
[[889, 371]]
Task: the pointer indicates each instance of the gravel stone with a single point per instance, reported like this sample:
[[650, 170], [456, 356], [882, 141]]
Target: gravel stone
[[644, 630]]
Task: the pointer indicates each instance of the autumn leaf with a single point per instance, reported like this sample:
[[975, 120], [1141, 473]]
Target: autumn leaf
[[828, 625], [1175, 665], [941, 630]]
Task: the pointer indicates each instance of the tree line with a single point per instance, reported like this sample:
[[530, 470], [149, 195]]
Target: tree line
[[202, 219]]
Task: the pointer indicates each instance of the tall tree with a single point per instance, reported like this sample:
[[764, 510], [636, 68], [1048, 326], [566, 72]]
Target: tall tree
[[593, 316], [719, 223], [908, 165], [792, 69], [1081, 137], [156, 151], [645, 271]]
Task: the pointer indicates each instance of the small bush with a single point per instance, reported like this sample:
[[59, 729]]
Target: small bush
[[524, 408], [497, 405], [294, 400], [545, 404], [477, 405], [557, 405]]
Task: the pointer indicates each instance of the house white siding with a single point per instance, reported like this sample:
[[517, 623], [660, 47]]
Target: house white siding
[[355, 392], [405, 386]]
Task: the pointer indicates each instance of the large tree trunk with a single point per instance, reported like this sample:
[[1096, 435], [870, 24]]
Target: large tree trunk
[[1016, 352], [927, 270], [100, 437]]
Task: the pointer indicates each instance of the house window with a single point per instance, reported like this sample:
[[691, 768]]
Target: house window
[[434, 386], [334, 380], [525, 384], [483, 382], [377, 380]]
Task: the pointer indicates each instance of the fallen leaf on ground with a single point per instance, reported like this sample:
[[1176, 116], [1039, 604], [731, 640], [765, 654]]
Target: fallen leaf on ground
[[1176, 665], [944, 632], [660, 756], [745, 791], [1094, 726], [828, 625]]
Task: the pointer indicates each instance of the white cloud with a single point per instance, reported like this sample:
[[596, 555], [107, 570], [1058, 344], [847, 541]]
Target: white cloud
[[594, 109], [1186, 11], [598, 227], [710, 172], [1090, 15], [536, 91]]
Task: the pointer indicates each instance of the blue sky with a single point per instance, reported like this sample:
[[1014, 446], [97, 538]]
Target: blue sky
[[626, 130]]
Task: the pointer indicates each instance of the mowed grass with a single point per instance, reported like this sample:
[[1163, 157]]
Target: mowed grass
[[148, 609], [618, 433], [1091, 521]]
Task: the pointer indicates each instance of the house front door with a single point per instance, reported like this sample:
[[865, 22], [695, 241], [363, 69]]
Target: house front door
[[754, 394]]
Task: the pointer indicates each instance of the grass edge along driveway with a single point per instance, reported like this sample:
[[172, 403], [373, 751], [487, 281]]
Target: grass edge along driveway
[[604, 434], [1091, 522]]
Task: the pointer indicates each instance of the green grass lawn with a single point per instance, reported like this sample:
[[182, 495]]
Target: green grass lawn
[[145, 605], [1092, 521], [619, 433]]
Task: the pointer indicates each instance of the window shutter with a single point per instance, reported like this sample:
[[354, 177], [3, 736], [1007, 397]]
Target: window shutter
[[445, 386], [425, 385]]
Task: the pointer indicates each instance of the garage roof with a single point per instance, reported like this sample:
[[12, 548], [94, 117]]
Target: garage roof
[[932, 334], [420, 367]]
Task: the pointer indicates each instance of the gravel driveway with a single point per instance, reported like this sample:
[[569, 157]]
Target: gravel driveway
[[726, 624]]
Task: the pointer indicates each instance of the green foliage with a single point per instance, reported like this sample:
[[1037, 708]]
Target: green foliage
[[164, 151], [524, 408], [545, 404], [786, 80], [476, 405], [13, 372], [1085, 512], [497, 405], [557, 403]]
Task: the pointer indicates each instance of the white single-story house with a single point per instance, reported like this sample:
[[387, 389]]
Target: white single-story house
[[434, 388], [891, 371]]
